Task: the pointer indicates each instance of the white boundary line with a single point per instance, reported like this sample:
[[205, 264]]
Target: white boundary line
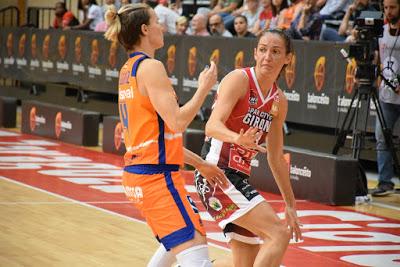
[[90, 206]]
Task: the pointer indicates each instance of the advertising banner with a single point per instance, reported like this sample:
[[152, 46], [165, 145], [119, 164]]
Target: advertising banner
[[314, 176], [69, 125], [113, 138]]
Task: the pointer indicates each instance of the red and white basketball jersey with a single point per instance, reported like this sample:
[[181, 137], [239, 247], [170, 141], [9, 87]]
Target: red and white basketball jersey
[[253, 110]]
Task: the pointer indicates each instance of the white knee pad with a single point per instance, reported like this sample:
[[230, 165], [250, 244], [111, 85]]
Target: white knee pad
[[194, 257], [162, 258]]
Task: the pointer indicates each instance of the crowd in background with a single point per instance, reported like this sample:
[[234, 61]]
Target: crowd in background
[[327, 20]]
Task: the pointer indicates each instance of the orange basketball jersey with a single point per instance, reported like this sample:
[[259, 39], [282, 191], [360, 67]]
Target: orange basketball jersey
[[148, 139]]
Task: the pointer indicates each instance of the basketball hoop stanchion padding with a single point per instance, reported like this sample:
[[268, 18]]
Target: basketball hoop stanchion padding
[[70, 125], [318, 177], [8, 112]]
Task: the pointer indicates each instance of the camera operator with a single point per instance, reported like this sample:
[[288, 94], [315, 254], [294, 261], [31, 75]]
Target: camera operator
[[389, 94]]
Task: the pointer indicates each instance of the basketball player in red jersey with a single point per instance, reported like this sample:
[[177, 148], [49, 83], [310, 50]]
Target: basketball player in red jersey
[[153, 124], [249, 110]]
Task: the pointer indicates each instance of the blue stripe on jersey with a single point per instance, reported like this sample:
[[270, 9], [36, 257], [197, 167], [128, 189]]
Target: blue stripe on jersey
[[151, 168], [161, 141], [136, 65], [182, 235]]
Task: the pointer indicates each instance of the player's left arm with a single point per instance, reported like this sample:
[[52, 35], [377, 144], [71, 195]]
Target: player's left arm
[[279, 166]]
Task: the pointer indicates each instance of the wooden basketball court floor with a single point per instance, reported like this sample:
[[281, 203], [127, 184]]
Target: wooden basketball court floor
[[62, 205]]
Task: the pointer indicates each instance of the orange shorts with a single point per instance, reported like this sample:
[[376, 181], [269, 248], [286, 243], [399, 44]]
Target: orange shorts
[[164, 202]]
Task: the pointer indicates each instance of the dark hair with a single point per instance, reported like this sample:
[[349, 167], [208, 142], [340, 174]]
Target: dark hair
[[62, 4], [241, 16], [274, 9], [126, 24], [282, 34]]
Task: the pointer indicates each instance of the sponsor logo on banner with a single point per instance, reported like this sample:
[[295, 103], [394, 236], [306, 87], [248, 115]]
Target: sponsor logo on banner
[[215, 55], [343, 101], [192, 61], [60, 125], [78, 49], [46, 63], [118, 136], [21, 61], [112, 72], [290, 72], [295, 171], [171, 58], [34, 119], [62, 47], [319, 73], [34, 63], [319, 98], [239, 60], [290, 77], [9, 60], [10, 44], [94, 59]]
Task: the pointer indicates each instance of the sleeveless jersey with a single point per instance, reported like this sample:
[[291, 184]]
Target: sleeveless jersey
[[148, 139], [253, 110]]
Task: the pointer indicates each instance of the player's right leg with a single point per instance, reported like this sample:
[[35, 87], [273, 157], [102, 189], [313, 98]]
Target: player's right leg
[[263, 221]]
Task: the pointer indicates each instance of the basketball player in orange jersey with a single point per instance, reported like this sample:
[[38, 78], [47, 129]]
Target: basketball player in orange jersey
[[250, 109], [153, 124]]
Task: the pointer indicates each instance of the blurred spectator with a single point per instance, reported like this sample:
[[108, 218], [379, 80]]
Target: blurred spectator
[[389, 98], [217, 27], [346, 32], [176, 6], [125, 2], [333, 9], [92, 15], [251, 10], [182, 25], [264, 18], [241, 29], [287, 15], [199, 25], [63, 17], [166, 16], [102, 26], [307, 25], [277, 6], [105, 5], [225, 8]]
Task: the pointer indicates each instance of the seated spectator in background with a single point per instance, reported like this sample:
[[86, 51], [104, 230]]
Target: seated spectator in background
[[176, 7], [241, 29], [264, 18], [102, 26], [217, 27], [333, 9], [251, 10], [346, 32], [287, 16], [63, 17], [277, 6], [225, 8], [92, 15], [182, 25], [166, 16], [307, 25], [199, 25]]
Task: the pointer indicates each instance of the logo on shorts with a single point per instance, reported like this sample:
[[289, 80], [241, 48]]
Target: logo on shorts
[[215, 203]]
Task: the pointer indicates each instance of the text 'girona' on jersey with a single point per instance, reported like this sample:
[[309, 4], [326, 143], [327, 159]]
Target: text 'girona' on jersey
[[147, 138], [253, 110]]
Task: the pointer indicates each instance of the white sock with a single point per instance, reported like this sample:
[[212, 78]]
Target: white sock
[[162, 258], [194, 257]]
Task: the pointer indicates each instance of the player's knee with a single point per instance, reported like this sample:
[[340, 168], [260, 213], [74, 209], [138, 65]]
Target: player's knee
[[194, 257]]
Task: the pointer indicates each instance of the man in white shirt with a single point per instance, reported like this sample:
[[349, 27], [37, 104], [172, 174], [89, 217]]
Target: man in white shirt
[[166, 16]]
